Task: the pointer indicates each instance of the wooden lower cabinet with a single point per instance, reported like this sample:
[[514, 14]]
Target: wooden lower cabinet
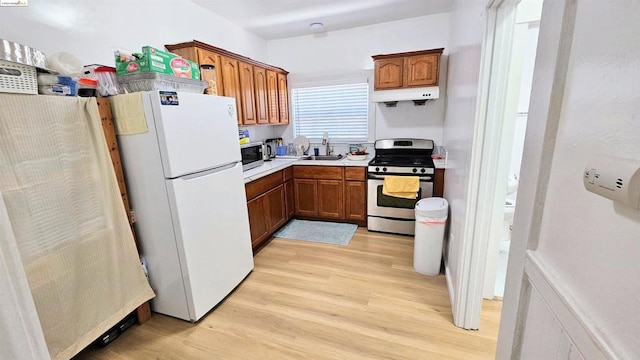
[[305, 195], [267, 207], [276, 208], [289, 193], [331, 193], [258, 222], [355, 200], [330, 199]]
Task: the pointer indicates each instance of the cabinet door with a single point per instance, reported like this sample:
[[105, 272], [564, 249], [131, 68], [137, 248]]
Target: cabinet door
[[258, 221], [330, 199], [260, 77], [273, 112], [355, 200], [421, 70], [388, 73], [209, 58], [283, 99], [306, 193], [290, 197], [276, 208], [247, 91], [231, 82]]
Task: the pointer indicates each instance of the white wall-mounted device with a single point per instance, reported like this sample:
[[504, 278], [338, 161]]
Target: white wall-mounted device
[[615, 178]]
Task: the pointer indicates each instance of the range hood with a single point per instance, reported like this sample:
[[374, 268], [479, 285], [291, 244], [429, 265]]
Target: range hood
[[419, 95]]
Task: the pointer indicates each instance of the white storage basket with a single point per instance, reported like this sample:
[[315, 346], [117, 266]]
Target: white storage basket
[[18, 78]]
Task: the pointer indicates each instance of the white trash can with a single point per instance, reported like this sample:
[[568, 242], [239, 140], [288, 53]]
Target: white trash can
[[431, 219]]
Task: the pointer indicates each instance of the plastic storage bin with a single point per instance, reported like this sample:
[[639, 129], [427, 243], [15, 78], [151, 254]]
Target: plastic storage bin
[[431, 220]]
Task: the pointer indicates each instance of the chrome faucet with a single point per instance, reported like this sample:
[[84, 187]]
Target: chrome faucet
[[325, 142]]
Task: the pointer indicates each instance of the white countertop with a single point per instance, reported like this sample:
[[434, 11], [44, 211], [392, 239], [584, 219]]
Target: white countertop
[[440, 163], [277, 164]]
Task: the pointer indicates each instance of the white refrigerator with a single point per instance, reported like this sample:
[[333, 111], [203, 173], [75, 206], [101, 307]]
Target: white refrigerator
[[184, 177]]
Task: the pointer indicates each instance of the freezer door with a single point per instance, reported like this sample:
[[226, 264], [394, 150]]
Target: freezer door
[[209, 212], [195, 132]]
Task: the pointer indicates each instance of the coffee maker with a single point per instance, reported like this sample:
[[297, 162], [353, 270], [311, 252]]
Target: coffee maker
[[270, 146]]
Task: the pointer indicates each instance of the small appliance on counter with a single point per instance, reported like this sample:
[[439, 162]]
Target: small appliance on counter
[[252, 155], [270, 148]]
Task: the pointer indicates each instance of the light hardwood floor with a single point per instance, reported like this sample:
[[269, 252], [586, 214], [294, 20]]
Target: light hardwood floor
[[306, 300]]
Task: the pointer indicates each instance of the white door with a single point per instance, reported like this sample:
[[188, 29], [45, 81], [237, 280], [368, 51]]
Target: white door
[[572, 288], [195, 132], [212, 230]]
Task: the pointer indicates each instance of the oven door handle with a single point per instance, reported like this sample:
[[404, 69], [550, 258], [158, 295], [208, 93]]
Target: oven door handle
[[422, 178]]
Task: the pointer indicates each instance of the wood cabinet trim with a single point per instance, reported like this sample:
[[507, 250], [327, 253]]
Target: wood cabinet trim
[[223, 52], [438, 183], [288, 173], [407, 54]]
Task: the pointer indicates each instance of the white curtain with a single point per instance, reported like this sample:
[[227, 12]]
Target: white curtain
[[65, 213]]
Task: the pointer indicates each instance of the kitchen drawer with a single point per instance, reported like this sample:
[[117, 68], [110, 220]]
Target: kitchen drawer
[[262, 185], [354, 173], [317, 172]]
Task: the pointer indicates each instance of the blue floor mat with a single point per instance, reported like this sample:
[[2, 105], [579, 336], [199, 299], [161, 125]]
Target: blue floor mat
[[318, 231]]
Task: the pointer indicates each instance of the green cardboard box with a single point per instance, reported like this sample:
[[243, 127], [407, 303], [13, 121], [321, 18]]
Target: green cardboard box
[[155, 60]]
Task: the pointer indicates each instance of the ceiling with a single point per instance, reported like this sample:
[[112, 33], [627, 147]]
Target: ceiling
[[277, 19]]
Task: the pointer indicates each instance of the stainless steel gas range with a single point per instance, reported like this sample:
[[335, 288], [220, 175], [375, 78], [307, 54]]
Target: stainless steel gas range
[[399, 157]]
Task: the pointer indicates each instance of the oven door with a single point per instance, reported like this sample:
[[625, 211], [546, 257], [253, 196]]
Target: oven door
[[381, 205]]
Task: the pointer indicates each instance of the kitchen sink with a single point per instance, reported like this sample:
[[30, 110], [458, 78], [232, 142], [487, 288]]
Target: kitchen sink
[[324, 157]]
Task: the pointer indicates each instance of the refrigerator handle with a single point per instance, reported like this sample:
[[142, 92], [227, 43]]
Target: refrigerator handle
[[210, 171]]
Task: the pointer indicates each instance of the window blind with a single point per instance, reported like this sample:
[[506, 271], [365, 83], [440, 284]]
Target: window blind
[[340, 110]]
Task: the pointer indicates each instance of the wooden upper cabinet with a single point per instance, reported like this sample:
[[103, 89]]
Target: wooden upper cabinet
[[409, 69], [421, 70], [247, 91], [273, 112], [260, 89], [388, 73], [209, 58], [260, 79], [231, 82], [283, 98]]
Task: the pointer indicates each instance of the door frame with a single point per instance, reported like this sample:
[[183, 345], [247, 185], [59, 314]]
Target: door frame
[[485, 160], [556, 35]]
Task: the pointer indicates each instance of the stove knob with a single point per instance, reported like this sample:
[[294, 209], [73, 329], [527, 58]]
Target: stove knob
[[384, 169], [422, 170], [415, 170], [377, 169]]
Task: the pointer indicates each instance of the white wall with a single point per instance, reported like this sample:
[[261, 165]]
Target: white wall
[[465, 46], [591, 242], [569, 244], [93, 29], [348, 53]]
